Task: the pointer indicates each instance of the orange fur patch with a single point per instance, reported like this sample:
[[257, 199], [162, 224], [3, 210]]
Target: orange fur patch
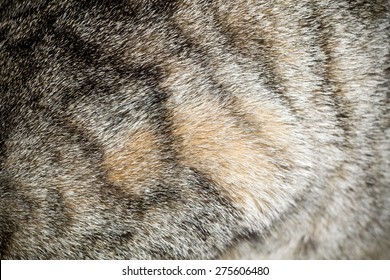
[[134, 161], [240, 160]]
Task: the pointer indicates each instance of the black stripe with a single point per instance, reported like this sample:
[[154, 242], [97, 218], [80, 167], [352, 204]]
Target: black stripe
[[268, 75], [366, 9], [329, 85]]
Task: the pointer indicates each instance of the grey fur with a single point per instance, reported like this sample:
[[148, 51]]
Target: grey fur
[[194, 129]]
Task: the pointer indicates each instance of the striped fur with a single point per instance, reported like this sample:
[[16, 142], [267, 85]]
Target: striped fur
[[194, 129]]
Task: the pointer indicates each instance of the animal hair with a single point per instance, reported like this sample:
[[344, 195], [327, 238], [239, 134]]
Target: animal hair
[[194, 129]]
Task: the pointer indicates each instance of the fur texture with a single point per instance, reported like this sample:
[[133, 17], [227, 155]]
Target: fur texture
[[194, 129]]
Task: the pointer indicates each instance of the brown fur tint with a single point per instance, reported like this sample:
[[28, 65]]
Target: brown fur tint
[[194, 129]]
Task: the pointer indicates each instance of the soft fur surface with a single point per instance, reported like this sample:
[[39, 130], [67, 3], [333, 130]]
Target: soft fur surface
[[194, 129]]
